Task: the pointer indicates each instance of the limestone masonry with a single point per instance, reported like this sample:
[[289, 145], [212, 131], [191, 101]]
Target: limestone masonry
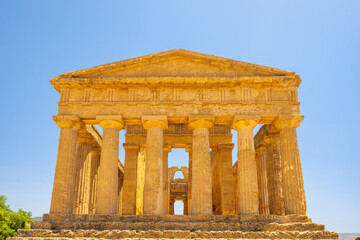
[[178, 99]]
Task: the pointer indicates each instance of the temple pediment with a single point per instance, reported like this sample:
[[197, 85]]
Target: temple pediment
[[177, 63]]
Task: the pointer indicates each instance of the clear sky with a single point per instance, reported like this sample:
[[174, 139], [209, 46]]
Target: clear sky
[[319, 40]]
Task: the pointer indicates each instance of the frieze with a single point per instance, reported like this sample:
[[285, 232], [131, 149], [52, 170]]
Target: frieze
[[164, 94]]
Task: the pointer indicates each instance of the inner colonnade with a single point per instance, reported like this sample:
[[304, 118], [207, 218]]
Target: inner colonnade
[[266, 178]]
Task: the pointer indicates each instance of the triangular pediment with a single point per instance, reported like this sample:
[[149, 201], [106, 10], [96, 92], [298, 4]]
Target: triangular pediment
[[177, 63]]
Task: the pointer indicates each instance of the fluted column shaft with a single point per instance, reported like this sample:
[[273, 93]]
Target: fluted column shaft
[[140, 181], [215, 181], [201, 188], [185, 211], [260, 156], [64, 181], [153, 189], [226, 179], [248, 201], [107, 194], [274, 175], [95, 162], [82, 182], [293, 186], [171, 206], [120, 191], [235, 180], [188, 149], [166, 186], [130, 179]]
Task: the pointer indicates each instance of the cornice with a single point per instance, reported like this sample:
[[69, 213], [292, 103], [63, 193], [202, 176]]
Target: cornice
[[257, 81], [242, 102]]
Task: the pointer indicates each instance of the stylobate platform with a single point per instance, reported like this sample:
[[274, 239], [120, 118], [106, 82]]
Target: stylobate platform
[[59, 226]]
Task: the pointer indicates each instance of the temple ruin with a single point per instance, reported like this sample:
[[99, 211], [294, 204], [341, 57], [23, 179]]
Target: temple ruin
[[178, 99]]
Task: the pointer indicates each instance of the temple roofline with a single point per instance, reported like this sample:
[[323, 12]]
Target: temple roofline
[[177, 54]]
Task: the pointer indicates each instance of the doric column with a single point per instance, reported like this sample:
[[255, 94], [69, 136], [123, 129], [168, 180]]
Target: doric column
[[185, 202], [188, 149], [166, 194], [95, 162], [215, 181], [248, 202], [260, 156], [82, 181], [107, 194], [140, 181], [153, 189], [274, 175], [226, 179], [64, 182], [201, 196], [120, 191], [171, 205], [130, 177], [293, 186], [235, 180]]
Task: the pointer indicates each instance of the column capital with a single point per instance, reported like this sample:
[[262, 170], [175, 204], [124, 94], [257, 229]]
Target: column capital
[[240, 121], [94, 144], [96, 151], [167, 148], [260, 148], [188, 148], [284, 121], [67, 121], [149, 121], [131, 146], [201, 121], [84, 137], [226, 145], [272, 137], [110, 121]]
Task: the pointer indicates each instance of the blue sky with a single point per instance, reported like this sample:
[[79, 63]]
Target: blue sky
[[319, 40]]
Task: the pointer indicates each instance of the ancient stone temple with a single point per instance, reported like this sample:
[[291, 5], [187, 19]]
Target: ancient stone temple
[[178, 99]]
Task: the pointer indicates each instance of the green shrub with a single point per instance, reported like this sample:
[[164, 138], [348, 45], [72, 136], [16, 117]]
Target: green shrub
[[11, 221]]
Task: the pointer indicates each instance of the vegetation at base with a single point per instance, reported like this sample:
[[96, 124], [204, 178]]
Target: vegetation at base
[[11, 221]]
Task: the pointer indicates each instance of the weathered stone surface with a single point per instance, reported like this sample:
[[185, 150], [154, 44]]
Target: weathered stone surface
[[153, 189], [178, 234], [130, 179], [226, 179], [174, 218], [178, 99], [190, 223], [274, 175], [201, 191], [293, 186], [260, 156], [247, 183], [107, 190], [65, 172]]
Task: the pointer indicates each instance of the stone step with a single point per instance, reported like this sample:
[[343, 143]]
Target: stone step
[[175, 218], [42, 234], [190, 226], [83, 238]]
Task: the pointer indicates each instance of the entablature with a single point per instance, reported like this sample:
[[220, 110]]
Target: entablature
[[183, 93], [178, 114]]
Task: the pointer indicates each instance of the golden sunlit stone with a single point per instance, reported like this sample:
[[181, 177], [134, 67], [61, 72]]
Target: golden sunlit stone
[[178, 99]]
